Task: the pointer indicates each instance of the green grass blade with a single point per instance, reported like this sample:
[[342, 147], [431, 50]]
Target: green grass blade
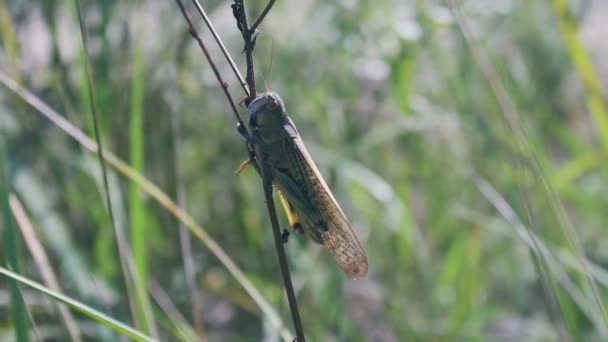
[[11, 246], [136, 206], [9, 40], [80, 307], [575, 168], [136, 288], [585, 69]]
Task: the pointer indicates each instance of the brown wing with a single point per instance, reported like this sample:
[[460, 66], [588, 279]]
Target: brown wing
[[337, 234]]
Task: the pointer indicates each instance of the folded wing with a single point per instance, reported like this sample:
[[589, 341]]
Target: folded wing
[[327, 219]]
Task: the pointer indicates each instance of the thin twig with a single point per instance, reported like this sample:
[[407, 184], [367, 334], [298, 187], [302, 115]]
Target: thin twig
[[241, 16], [262, 15], [217, 38], [278, 243], [221, 81]]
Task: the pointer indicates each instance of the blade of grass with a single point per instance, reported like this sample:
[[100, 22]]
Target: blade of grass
[[83, 94], [574, 168], [11, 246], [80, 307], [137, 294], [540, 253], [544, 252], [181, 326], [151, 189], [137, 212], [34, 194], [184, 235], [585, 69], [9, 40], [42, 262]]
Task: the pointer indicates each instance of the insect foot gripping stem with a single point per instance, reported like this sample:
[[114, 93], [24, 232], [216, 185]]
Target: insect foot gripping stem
[[285, 236]]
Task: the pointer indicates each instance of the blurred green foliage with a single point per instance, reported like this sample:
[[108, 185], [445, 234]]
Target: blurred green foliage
[[473, 232]]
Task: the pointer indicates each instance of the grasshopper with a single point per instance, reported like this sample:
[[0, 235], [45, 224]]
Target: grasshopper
[[308, 202]]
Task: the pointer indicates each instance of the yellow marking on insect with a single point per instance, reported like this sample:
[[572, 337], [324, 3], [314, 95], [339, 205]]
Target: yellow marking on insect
[[292, 217]]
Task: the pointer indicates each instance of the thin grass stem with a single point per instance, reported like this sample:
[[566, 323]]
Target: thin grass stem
[[217, 38], [140, 306]]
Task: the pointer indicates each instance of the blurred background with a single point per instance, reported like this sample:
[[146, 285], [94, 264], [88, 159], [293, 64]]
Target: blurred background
[[467, 146]]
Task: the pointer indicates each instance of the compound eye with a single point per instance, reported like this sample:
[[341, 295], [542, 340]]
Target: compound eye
[[272, 104]]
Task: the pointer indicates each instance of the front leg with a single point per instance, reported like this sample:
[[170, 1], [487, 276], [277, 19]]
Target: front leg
[[252, 138], [243, 132]]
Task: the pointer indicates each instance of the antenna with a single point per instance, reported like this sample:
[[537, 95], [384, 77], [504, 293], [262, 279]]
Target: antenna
[[271, 60], [268, 85]]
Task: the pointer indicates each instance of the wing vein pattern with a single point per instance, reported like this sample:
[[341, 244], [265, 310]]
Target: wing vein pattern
[[326, 224]]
